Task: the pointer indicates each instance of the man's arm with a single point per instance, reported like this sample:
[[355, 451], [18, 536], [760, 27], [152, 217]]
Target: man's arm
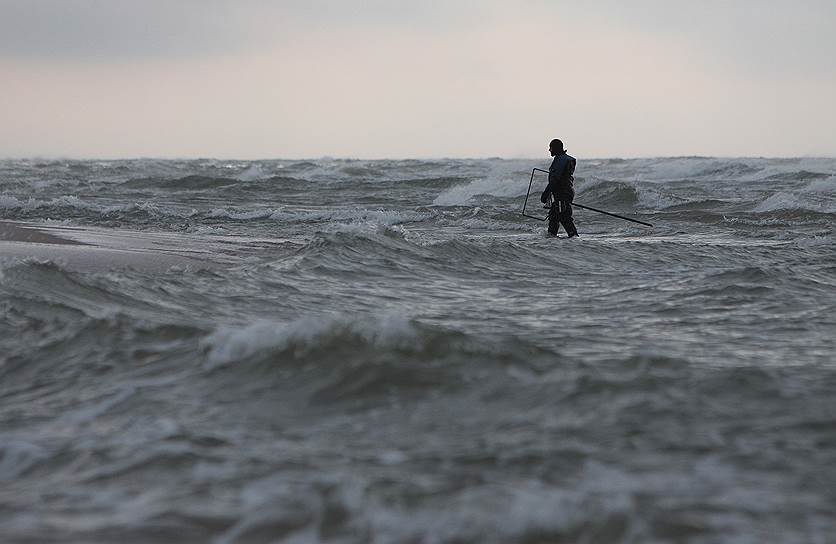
[[557, 167]]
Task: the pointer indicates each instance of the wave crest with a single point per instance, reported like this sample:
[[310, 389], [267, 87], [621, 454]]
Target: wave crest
[[338, 357], [783, 201], [296, 339]]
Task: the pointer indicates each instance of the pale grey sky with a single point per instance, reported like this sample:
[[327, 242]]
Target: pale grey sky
[[375, 78]]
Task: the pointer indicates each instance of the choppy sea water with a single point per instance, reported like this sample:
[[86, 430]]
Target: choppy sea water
[[386, 351]]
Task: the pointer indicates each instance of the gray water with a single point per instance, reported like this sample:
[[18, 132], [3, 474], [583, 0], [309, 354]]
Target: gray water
[[387, 351]]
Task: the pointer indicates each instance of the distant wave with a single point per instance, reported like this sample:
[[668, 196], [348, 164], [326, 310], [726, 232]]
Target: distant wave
[[252, 173], [69, 206], [192, 182], [622, 193], [361, 171], [73, 207], [797, 202], [463, 194], [204, 183], [800, 175]]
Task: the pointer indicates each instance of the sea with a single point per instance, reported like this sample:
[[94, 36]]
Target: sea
[[376, 351]]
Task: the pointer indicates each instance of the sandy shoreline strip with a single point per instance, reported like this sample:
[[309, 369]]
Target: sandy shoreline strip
[[89, 249], [20, 232]]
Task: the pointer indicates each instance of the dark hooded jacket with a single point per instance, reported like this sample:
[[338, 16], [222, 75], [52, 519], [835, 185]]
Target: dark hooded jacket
[[561, 178]]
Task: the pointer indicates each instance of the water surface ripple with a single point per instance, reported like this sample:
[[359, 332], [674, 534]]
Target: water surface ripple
[[386, 351]]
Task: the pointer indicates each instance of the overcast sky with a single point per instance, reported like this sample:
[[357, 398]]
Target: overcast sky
[[392, 78]]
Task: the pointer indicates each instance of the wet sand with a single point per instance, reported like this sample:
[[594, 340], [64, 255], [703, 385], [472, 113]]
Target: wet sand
[[97, 249]]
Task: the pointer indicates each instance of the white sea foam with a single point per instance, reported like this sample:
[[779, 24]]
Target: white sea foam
[[13, 203], [73, 202], [479, 224], [778, 201], [770, 169], [787, 201], [352, 215], [754, 222], [675, 169], [705, 168], [503, 186], [223, 213], [826, 186], [254, 172], [656, 199]]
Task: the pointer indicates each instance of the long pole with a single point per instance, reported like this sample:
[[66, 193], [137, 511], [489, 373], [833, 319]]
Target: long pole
[[612, 214], [530, 181]]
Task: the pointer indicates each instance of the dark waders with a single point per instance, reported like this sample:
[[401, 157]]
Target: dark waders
[[561, 214]]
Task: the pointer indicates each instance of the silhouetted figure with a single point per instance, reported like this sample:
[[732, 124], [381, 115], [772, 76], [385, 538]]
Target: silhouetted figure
[[561, 190]]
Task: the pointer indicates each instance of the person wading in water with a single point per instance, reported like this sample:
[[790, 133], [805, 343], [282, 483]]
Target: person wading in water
[[560, 190]]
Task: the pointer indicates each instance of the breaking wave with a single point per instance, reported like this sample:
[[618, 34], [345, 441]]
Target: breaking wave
[[790, 202], [622, 194], [361, 358], [464, 193], [69, 206]]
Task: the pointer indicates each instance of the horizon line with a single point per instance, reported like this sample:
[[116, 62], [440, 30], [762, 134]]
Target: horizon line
[[422, 158]]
